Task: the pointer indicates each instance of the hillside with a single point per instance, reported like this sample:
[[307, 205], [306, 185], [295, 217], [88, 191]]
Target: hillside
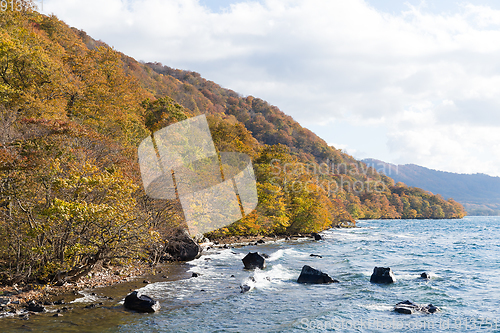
[[73, 112], [479, 193]]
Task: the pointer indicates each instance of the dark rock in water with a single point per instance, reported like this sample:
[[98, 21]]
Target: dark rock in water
[[48, 303], [408, 307], [141, 303], [254, 260], [146, 282], [182, 247], [287, 238], [426, 276], [225, 246], [311, 275], [260, 241], [382, 275], [164, 276], [35, 307], [90, 306], [315, 255], [244, 288], [232, 275], [266, 256], [195, 275], [59, 302], [316, 236], [57, 315]]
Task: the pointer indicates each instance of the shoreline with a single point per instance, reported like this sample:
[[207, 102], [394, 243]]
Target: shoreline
[[115, 283]]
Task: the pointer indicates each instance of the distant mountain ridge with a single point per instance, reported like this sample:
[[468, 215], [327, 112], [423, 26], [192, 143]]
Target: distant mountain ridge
[[479, 193]]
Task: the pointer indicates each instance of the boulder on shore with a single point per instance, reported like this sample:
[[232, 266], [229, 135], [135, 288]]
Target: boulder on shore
[[311, 275], [382, 275], [254, 260], [141, 303], [408, 307], [182, 247], [35, 307], [316, 236]]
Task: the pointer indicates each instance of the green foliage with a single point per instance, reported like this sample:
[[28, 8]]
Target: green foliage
[[162, 112]]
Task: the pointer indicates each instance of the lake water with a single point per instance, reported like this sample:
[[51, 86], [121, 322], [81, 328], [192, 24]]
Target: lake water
[[462, 257]]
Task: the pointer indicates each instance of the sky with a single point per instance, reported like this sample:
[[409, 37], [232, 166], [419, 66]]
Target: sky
[[404, 82]]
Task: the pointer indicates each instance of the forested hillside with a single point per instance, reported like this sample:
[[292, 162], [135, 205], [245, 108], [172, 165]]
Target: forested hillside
[[479, 193], [72, 114]]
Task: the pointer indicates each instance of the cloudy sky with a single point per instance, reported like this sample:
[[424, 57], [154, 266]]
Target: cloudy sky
[[405, 82]]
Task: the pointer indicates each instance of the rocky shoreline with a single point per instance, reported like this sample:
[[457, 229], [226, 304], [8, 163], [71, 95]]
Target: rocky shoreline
[[16, 297], [15, 300]]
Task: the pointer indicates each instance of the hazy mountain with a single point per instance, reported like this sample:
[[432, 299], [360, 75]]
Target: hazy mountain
[[479, 193]]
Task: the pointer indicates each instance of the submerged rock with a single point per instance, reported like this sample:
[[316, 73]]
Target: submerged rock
[[426, 276], [382, 275], [244, 288], [254, 260], [408, 307], [311, 275], [141, 303]]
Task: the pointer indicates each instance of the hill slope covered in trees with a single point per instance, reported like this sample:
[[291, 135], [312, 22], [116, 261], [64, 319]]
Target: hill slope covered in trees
[[72, 114], [479, 193]]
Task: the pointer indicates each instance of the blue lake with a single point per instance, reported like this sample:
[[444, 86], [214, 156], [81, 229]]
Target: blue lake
[[462, 257]]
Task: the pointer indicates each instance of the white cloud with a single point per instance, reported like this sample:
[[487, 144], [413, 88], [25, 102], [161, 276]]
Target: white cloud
[[431, 80]]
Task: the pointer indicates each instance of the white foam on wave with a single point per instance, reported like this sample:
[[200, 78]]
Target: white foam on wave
[[210, 263], [172, 289], [378, 307], [264, 279], [407, 276], [285, 253]]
